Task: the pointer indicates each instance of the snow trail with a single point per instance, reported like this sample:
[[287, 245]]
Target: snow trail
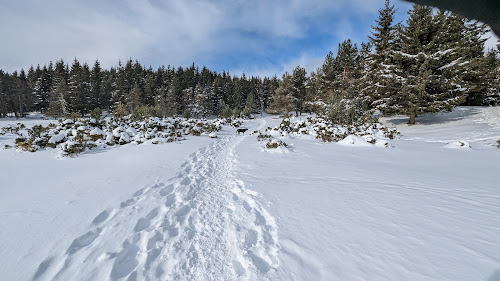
[[202, 224]]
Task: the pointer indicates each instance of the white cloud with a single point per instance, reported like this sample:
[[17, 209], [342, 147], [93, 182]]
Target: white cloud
[[169, 31]]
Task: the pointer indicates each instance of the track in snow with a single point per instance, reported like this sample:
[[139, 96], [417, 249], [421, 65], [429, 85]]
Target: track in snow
[[202, 224]]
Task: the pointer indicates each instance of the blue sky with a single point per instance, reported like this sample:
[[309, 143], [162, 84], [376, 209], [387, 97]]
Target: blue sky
[[260, 37]]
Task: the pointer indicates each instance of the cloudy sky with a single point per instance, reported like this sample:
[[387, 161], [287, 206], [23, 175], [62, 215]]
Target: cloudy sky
[[258, 37]]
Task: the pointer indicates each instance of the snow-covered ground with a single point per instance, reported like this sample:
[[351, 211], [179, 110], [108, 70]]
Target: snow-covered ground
[[225, 208]]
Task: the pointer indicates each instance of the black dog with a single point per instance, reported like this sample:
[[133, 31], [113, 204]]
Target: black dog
[[241, 130]]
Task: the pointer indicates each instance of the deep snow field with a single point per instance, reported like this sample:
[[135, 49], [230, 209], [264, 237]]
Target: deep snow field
[[425, 208]]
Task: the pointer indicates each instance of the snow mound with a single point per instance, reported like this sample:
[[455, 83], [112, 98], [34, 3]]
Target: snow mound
[[131, 131], [382, 143], [97, 132], [57, 139], [458, 144], [212, 135], [352, 140]]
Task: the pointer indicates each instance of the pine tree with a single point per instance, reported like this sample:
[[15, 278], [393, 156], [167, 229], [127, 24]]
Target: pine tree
[[188, 101], [133, 99], [58, 106], [216, 95], [249, 105], [42, 89], [426, 65], [299, 81], [326, 76], [96, 80], [474, 72], [492, 63], [200, 108], [283, 99], [172, 101], [22, 91], [105, 100], [380, 75], [346, 64]]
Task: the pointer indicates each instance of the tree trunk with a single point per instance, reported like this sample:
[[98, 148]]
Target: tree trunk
[[412, 119]]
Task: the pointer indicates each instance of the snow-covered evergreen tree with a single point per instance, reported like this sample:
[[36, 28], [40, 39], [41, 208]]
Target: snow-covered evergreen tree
[[283, 99], [433, 63], [41, 89], [58, 106], [492, 63], [381, 81], [299, 81], [200, 106]]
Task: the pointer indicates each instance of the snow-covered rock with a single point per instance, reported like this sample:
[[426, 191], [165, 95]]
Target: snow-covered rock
[[382, 143], [458, 144], [353, 140]]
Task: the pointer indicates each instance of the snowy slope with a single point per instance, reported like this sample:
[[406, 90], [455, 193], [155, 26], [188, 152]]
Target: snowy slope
[[227, 209]]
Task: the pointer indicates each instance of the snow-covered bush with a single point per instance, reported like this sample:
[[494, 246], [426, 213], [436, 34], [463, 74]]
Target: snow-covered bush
[[273, 143], [327, 131], [73, 137], [262, 137]]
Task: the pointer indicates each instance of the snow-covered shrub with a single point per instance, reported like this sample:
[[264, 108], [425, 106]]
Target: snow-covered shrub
[[96, 134], [25, 144], [195, 131], [327, 131], [13, 129], [285, 124], [273, 143], [57, 139], [36, 131], [74, 137], [96, 114], [262, 137], [72, 148]]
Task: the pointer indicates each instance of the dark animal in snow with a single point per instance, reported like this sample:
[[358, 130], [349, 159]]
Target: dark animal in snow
[[241, 130]]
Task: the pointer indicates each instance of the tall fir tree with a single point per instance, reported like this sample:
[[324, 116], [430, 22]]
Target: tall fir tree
[[381, 81], [299, 81], [283, 99]]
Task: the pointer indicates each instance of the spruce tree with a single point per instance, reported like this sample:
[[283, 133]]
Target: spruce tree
[[492, 63], [426, 66], [200, 108], [299, 81], [381, 81], [133, 99], [96, 78], [283, 99], [42, 87]]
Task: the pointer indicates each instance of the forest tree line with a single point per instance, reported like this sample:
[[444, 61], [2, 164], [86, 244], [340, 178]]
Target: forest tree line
[[59, 90], [432, 62]]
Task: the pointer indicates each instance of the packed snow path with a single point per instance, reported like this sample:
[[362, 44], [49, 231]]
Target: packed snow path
[[202, 224]]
